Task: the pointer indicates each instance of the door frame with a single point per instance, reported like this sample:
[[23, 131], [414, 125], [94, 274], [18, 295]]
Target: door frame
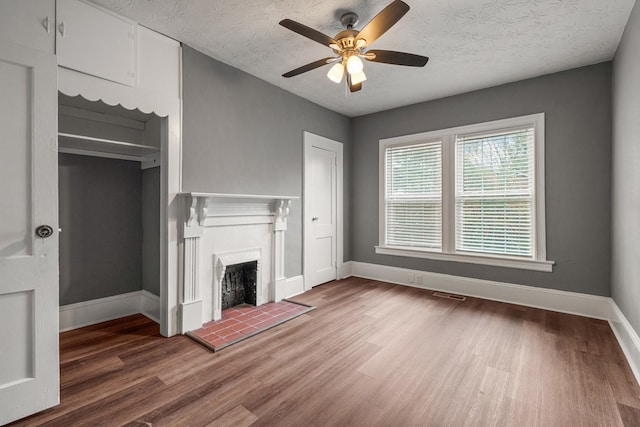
[[311, 140], [72, 83]]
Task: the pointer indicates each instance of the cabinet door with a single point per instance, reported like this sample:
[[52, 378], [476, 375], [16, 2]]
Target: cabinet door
[[28, 23], [29, 380], [96, 42]]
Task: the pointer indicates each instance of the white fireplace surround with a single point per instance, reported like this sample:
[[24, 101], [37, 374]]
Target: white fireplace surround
[[219, 230]]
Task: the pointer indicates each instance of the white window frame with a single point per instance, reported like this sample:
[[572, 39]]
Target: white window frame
[[539, 260]]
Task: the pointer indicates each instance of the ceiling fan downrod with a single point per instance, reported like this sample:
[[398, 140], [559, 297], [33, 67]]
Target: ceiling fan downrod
[[349, 20]]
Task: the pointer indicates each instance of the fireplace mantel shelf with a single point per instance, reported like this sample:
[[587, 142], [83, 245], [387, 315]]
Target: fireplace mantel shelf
[[200, 206], [239, 196]]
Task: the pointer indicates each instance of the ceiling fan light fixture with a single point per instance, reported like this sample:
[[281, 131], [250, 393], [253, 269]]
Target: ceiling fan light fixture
[[354, 65], [336, 72], [357, 78]]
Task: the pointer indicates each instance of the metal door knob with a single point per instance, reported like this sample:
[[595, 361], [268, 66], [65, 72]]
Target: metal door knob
[[44, 231]]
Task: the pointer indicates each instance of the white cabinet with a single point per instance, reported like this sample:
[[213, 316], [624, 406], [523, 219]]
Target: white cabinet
[[28, 23], [96, 42]]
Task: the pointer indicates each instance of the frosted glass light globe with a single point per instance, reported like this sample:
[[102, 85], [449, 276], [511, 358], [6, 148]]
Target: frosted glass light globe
[[354, 64], [336, 72]]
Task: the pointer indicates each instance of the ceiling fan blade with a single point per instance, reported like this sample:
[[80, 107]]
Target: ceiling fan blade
[[396, 58], [353, 87], [308, 32], [383, 21], [311, 66]]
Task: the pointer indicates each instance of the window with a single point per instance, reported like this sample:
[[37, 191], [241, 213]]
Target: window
[[471, 194], [414, 195]]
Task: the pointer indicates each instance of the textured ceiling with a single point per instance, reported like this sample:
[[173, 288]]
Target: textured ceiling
[[472, 44]]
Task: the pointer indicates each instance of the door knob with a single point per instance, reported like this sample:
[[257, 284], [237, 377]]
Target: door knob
[[44, 231], [315, 218]]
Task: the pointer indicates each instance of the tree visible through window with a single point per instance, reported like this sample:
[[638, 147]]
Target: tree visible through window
[[495, 193]]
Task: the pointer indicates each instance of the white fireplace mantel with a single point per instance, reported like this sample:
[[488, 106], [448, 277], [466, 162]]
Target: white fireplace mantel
[[217, 227]]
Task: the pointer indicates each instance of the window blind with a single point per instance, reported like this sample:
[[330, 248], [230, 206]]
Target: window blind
[[495, 193], [413, 195]]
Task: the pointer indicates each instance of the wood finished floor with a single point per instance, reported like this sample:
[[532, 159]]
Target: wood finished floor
[[371, 354]]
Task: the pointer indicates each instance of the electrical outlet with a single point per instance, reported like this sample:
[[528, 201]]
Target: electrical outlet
[[419, 280], [412, 278]]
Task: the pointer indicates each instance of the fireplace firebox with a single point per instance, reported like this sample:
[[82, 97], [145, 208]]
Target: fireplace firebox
[[239, 284]]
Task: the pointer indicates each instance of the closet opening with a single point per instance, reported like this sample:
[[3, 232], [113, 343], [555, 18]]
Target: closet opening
[[109, 174]]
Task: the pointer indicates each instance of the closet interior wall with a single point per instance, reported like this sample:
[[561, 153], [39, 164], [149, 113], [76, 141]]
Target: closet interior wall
[[109, 200]]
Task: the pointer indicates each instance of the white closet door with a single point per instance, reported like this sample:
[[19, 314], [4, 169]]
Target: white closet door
[[29, 372]]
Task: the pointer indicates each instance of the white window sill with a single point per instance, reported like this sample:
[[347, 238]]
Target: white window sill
[[525, 264]]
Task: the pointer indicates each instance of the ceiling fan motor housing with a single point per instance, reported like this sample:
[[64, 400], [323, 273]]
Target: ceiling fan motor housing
[[346, 39]]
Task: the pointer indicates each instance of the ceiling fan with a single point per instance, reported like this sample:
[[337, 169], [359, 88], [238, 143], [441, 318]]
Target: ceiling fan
[[350, 45]]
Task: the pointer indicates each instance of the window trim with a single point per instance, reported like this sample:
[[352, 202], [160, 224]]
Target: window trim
[[539, 261]]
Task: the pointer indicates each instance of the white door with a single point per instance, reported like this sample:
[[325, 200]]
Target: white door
[[322, 248], [29, 379]]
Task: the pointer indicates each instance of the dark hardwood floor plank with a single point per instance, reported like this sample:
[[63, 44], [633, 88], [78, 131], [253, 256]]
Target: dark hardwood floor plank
[[238, 416], [81, 370], [101, 411], [203, 406]]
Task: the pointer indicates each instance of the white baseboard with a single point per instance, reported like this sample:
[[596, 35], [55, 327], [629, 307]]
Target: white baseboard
[[627, 337], [345, 271], [549, 299], [86, 313], [150, 305], [294, 286]]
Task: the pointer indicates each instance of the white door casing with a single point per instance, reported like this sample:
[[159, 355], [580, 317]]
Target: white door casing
[[29, 376], [322, 210]]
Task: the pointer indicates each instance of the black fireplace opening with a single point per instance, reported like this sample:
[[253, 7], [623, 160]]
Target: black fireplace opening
[[239, 285]]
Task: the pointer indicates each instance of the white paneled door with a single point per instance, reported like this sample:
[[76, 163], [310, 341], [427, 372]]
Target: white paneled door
[[321, 213], [29, 379]]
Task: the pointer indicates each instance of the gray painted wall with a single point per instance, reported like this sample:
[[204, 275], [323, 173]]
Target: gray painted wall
[[243, 135], [100, 217], [626, 173], [151, 230], [577, 104]]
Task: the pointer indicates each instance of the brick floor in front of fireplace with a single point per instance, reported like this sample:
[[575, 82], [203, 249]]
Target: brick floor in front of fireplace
[[241, 322]]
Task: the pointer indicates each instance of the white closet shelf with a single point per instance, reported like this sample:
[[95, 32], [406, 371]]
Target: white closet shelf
[[105, 146], [83, 145]]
